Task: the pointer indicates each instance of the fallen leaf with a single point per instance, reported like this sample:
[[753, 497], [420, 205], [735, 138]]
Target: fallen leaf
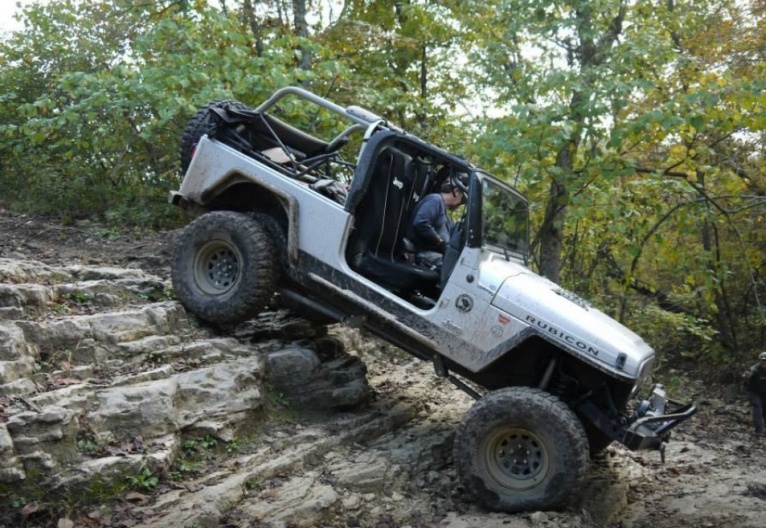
[[29, 509], [135, 496], [88, 521]]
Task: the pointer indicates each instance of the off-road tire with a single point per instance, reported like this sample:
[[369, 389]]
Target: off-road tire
[[280, 239], [277, 233], [203, 122], [225, 267], [520, 449]]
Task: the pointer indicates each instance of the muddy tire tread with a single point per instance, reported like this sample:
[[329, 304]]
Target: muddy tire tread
[[259, 267], [534, 410]]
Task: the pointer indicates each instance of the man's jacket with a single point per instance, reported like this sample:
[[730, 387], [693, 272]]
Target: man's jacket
[[757, 381]]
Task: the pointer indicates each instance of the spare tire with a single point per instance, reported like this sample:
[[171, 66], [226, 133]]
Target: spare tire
[[203, 122]]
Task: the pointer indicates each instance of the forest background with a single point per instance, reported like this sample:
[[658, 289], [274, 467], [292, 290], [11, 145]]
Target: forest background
[[636, 128]]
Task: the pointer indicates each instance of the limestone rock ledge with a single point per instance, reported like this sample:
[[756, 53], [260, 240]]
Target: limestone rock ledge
[[103, 374]]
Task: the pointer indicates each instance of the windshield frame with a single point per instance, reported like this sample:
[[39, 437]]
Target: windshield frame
[[479, 215]]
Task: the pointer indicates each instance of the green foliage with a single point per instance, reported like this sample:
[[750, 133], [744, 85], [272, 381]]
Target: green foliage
[[78, 297], [145, 480], [155, 292], [254, 484], [194, 457], [642, 148], [406, 72], [94, 127], [193, 445], [681, 336]]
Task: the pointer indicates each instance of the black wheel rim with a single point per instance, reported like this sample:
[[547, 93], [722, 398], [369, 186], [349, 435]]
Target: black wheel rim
[[516, 458], [217, 267]]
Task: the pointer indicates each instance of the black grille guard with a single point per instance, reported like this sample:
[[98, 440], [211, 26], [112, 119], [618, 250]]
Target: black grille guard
[[646, 432]]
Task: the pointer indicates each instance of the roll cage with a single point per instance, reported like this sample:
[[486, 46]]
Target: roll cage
[[380, 190]]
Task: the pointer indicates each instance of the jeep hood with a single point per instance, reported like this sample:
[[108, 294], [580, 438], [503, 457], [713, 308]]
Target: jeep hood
[[563, 318]]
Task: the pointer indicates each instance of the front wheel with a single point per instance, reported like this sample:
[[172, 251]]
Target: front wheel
[[225, 267], [520, 449]]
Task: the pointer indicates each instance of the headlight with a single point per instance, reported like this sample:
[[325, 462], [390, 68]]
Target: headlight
[[643, 373]]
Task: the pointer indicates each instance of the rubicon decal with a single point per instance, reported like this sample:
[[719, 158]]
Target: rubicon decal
[[561, 335]]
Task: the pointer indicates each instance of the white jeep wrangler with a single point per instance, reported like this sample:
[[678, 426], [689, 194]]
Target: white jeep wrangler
[[284, 209]]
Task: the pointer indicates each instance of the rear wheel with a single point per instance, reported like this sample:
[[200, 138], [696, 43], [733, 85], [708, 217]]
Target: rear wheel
[[225, 267], [203, 122], [520, 449]]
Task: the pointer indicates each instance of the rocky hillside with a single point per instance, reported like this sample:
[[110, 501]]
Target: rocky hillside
[[118, 409]]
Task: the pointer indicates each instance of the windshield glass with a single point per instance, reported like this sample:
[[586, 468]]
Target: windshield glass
[[505, 214]]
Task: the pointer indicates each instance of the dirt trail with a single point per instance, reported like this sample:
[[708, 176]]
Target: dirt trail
[[384, 465]]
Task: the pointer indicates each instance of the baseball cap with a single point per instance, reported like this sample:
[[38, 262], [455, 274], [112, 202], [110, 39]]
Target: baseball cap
[[762, 356]]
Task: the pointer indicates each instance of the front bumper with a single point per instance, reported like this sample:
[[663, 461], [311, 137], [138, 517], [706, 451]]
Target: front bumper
[[647, 428]]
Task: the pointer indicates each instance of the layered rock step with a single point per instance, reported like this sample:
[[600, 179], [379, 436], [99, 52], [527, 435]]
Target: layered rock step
[[390, 464], [244, 488], [30, 289], [30, 349], [103, 376], [109, 389]]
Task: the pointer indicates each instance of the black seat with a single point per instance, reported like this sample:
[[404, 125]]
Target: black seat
[[381, 219]]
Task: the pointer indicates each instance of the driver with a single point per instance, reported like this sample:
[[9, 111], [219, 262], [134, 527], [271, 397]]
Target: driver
[[429, 228]]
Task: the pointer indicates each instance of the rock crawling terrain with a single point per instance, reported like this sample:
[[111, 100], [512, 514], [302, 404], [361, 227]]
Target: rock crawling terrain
[[118, 409]]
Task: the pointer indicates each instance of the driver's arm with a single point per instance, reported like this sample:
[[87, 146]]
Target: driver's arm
[[423, 223]]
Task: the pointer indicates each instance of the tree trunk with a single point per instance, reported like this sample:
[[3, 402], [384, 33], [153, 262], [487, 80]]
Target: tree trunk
[[723, 318], [248, 13], [421, 114], [302, 30], [552, 230], [587, 54]]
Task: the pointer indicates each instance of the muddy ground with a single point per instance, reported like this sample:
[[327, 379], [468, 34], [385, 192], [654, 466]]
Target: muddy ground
[[715, 474]]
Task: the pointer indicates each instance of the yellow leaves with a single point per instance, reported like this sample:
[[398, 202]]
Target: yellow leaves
[[677, 152]]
